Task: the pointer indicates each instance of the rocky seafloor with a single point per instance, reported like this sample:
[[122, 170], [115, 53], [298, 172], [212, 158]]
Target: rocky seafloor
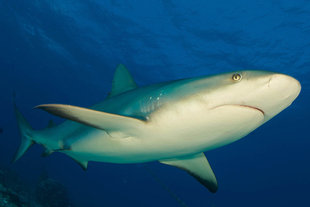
[[45, 193]]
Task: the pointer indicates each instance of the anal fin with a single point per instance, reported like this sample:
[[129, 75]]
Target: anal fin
[[198, 167], [46, 153]]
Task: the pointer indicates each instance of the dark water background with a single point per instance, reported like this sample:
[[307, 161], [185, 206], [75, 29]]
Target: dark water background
[[65, 51]]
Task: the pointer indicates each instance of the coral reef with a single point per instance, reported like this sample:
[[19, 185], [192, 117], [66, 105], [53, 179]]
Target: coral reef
[[11, 191], [47, 192], [50, 193], [10, 198]]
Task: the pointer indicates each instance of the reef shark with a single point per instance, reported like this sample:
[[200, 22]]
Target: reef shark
[[173, 122]]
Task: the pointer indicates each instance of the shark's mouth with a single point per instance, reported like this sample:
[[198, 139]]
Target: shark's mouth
[[252, 107], [247, 106]]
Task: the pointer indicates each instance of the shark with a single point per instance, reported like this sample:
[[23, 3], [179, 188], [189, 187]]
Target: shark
[[172, 122]]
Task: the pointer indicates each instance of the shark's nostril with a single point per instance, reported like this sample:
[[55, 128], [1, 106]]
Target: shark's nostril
[[269, 81], [285, 86]]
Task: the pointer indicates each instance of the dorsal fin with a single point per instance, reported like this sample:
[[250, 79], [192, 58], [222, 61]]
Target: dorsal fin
[[122, 81]]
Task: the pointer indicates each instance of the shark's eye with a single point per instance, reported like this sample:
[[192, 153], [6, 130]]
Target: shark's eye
[[237, 77]]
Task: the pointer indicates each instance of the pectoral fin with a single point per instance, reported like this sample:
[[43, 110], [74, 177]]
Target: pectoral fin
[[98, 119], [82, 164], [197, 166]]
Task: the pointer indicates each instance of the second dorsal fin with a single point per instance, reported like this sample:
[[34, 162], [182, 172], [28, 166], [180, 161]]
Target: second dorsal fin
[[122, 81]]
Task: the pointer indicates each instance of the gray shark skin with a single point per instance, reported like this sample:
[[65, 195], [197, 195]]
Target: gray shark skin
[[173, 122]]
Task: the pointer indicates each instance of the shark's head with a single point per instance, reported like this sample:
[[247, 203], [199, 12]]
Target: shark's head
[[212, 111], [226, 107], [264, 91]]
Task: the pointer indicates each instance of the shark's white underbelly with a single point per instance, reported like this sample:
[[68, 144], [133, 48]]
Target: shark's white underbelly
[[171, 134]]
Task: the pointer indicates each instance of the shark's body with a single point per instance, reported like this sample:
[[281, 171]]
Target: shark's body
[[173, 122]]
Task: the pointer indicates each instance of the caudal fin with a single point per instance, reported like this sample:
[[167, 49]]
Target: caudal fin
[[26, 134]]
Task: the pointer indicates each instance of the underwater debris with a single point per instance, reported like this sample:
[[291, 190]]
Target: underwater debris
[[1, 130]]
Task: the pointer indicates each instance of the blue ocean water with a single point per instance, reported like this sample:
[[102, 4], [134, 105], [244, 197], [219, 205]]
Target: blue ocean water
[[66, 52]]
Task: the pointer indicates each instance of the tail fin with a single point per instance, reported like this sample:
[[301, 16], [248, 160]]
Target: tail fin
[[26, 134]]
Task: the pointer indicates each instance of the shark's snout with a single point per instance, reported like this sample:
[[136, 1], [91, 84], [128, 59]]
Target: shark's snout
[[280, 91], [286, 87]]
